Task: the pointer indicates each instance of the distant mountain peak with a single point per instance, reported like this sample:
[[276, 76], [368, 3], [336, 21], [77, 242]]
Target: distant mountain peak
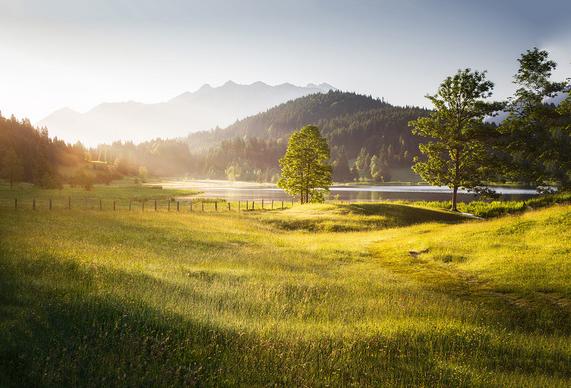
[[63, 112], [327, 86], [204, 87], [324, 87], [207, 107], [65, 109]]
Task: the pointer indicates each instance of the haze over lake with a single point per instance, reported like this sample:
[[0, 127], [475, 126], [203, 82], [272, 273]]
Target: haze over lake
[[237, 190]]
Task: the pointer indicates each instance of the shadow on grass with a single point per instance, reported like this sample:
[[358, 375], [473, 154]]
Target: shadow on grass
[[63, 325], [356, 217], [409, 214]]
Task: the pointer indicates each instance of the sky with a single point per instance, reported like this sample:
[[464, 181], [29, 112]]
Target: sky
[[79, 53]]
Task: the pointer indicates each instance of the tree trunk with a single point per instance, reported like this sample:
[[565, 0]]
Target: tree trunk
[[456, 174], [454, 199]]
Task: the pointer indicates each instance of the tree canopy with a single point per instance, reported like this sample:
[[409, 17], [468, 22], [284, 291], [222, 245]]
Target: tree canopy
[[456, 153], [306, 170], [537, 136]]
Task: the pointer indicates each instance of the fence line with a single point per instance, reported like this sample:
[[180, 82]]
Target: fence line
[[133, 205]]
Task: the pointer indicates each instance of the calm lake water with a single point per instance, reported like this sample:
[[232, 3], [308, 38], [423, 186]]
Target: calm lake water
[[256, 191]]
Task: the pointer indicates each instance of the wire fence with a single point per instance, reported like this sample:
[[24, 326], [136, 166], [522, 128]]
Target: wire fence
[[143, 205]]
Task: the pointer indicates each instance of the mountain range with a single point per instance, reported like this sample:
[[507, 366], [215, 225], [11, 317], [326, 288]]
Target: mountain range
[[205, 108]]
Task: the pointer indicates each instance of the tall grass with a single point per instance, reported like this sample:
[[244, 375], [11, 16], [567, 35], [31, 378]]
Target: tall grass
[[102, 298], [489, 209]]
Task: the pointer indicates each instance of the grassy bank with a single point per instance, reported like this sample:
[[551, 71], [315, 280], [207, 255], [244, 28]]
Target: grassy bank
[[94, 298], [489, 209]]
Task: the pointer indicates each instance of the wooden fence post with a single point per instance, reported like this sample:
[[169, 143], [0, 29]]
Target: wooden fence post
[[100, 205], [34, 204], [262, 204], [272, 204], [229, 206], [282, 205], [247, 205], [177, 206], [216, 205], [50, 204], [253, 205], [155, 205], [114, 205], [15, 203], [202, 203]]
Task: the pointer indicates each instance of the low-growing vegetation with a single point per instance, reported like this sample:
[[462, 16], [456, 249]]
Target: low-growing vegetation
[[124, 189], [339, 217], [488, 209], [157, 299]]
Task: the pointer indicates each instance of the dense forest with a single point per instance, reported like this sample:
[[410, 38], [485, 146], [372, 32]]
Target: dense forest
[[28, 154], [368, 137]]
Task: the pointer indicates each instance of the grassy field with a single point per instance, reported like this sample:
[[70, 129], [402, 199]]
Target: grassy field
[[77, 197], [359, 294], [121, 195], [489, 209]]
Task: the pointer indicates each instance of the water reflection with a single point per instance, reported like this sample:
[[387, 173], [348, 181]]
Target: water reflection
[[257, 191]]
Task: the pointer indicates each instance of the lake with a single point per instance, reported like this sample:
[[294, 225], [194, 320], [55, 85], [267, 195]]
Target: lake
[[257, 191]]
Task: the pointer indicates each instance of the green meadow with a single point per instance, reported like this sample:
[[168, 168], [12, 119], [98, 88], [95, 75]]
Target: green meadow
[[383, 294]]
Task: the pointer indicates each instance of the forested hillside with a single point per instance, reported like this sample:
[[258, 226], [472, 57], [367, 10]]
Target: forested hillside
[[368, 137], [28, 154]]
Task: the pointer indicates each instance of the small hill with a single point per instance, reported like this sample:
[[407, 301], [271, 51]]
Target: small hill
[[356, 217]]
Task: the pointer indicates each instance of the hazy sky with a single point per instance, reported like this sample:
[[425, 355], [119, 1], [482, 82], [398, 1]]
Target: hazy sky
[[79, 53]]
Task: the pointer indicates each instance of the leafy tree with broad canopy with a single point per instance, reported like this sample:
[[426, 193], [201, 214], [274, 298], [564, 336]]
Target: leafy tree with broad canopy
[[537, 133], [306, 170], [456, 154]]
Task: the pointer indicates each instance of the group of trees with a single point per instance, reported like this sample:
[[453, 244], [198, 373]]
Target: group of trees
[[250, 159], [532, 145], [170, 157], [367, 167], [246, 159], [28, 154], [354, 125]]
